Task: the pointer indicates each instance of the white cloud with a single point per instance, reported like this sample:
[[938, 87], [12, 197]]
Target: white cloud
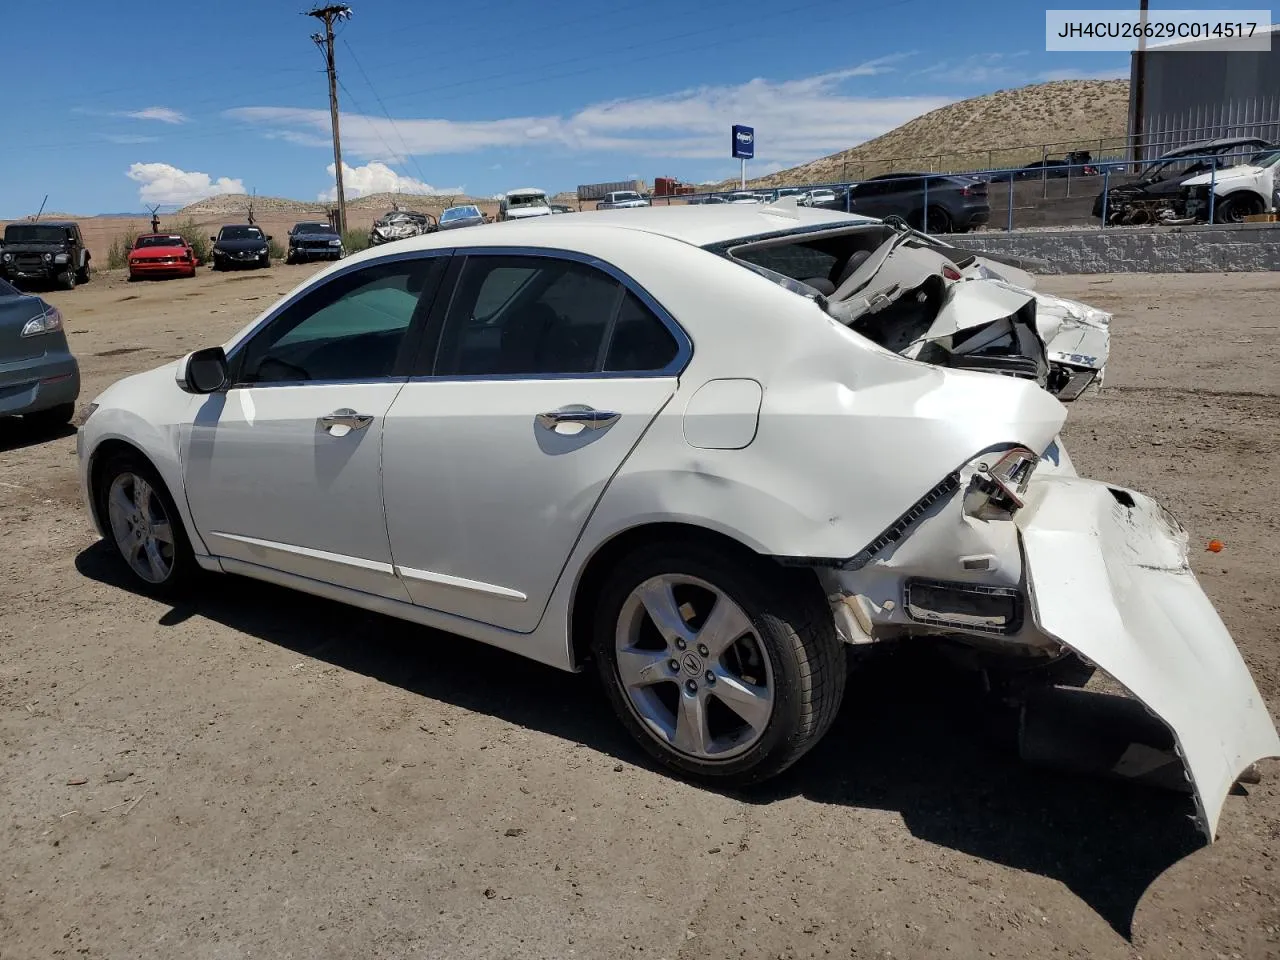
[[377, 177], [164, 183], [796, 120], [163, 114]]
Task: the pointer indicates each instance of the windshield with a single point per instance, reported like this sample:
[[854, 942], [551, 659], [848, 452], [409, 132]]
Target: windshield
[[34, 233], [239, 233], [314, 228], [625, 195], [172, 241], [459, 213], [1265, 159], [536, 200]]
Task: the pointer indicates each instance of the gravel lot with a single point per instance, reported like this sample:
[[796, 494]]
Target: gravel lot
[[263, 774]]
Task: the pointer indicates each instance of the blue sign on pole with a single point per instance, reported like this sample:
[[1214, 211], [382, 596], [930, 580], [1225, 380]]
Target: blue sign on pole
[[744, 142]]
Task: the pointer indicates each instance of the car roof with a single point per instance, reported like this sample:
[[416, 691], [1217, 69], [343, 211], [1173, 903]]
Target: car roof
[[700, 225], [225, 225], [42, 223], [1201, 146], [167, 236], [527, 192]]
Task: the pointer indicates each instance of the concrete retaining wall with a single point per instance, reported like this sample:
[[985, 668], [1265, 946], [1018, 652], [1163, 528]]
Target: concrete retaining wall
[[1205, 248]]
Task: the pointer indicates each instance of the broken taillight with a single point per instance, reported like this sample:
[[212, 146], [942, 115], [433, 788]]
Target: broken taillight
[[996, 489]]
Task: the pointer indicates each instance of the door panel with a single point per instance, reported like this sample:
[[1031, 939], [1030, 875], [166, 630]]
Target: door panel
[[269, 484], [485, 500]]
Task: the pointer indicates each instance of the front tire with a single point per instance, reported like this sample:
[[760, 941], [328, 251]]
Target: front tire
[[726, 668], [67, 279], [144, 525], [1237, 206]]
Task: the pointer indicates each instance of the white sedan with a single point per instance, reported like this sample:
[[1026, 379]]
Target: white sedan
[[704, 447]]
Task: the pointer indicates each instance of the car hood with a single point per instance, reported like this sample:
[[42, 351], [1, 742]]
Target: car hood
[[35, 246], [241, 246], [524, 213], [315, 236], [1241, 172], [461, 222]]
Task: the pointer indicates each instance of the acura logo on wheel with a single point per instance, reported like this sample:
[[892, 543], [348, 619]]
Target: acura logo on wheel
[[692, 665]]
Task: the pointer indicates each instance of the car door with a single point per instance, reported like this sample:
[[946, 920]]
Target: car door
[[546, 373], [282, 469]]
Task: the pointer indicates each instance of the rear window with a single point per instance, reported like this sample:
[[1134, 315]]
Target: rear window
[[173, 241]]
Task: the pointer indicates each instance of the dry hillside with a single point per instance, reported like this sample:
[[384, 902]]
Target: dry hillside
[[1001, 129]]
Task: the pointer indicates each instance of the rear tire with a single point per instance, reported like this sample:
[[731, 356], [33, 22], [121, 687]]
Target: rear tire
[[939, 221], [85, 274], [758, 673], [143, 525]]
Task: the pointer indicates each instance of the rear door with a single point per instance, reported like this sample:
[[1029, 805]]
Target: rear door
[[546, 374]]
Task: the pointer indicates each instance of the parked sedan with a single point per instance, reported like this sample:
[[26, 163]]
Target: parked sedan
[[953, 204], [510, 435], [39, 378], [466, 215], [161, 255], [313, 240], [241, 245]]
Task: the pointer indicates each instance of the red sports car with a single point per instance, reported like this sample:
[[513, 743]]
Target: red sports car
[[161, 254]]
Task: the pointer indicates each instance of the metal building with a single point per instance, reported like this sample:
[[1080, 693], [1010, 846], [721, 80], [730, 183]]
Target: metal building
[[1202, 91]]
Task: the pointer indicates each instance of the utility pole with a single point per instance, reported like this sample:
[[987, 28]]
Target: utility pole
[[1140, 86], [329, 15]]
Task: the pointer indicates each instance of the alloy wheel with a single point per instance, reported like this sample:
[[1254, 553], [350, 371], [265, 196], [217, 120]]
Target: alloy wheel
[[694, 670], [141, 527]]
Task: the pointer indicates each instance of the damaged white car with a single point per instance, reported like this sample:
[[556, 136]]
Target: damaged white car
[[705, 447]]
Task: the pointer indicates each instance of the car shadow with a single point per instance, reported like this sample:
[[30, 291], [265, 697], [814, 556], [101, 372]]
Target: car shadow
[[914, 736], [17, 434]]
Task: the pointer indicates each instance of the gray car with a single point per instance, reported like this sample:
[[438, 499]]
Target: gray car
[[466, 215], [39, 378]]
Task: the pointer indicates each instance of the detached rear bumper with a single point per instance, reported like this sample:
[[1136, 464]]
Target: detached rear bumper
[[1107, 573]]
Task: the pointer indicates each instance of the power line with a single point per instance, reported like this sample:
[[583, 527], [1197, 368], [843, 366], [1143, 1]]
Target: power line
[[356, 60]]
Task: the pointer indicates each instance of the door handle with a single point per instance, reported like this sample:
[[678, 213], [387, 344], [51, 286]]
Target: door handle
[[346, 417], [588, 417]]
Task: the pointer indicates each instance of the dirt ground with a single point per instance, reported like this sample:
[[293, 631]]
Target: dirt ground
[[263, 774]]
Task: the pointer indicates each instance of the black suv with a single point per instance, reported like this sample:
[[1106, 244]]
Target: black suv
[[956, 203], [313, 240], [51, 251], [240, 245]]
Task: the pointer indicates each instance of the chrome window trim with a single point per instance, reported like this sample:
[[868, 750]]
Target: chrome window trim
[[684, 345], [238, 346]]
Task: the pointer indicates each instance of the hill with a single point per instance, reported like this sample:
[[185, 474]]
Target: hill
[[237, 204], [993, 130]]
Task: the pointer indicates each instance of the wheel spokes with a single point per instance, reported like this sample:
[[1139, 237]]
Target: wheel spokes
[[752, 703], [724, 625], [643, 668], [691, 725], [142, 496], [162, 532], [660, 603]]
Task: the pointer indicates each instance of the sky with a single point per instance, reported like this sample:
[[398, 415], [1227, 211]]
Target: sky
[[123, 106]]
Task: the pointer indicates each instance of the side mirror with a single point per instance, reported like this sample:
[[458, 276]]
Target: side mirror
[[204, 371], [268, 236], [213, 239]]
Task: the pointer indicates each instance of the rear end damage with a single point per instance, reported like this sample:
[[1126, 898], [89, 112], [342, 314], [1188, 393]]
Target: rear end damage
[[1020, 560]]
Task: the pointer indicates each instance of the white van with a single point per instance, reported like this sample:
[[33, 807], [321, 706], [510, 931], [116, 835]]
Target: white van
[[524, 203]]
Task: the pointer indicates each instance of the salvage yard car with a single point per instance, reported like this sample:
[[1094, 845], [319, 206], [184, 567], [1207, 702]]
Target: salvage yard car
[[1239, 192], [313, 240], [400, 225], [49, 251], [523, 203], [465, 215], [39, 378], [622, 200], [636, 439], [1157, 193], [240, 245], [161, 255]]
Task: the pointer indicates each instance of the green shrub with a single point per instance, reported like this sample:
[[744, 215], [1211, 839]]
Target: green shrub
[[194, 234], [276, 251], [118, 252], [354, 241]]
